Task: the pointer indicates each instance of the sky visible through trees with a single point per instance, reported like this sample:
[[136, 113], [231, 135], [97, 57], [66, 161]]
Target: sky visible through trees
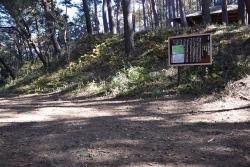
[[72, 12]]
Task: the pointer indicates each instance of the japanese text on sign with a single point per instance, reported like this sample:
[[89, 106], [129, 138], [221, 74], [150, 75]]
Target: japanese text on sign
[[190, 50]]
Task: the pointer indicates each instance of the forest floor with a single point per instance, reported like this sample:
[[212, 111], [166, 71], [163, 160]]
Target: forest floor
[[49, 130]]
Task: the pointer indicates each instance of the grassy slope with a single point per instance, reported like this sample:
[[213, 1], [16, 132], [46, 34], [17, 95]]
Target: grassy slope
[[99, 66]]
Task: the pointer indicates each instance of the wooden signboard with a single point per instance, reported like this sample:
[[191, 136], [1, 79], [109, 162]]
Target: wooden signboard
[[190, 50]]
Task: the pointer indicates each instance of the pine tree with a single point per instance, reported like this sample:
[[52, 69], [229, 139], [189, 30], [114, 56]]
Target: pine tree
[[87, 16], [224, 12], [128, 27], [206, 12]]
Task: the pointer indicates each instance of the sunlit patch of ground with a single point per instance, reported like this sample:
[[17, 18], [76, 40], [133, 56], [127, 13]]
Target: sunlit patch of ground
[[225, 110], [232, 116], [40, 130]]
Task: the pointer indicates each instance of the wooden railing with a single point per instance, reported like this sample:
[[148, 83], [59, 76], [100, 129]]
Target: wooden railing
[[192, 6], [218, 2]]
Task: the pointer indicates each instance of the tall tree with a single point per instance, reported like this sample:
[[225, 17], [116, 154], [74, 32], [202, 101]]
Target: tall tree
[[51, 23], [97, 23], [128, 27], [162, 4], [170, 15], [133, 17], [166, 13], [111, 21], [247, 2], [173, 6], [87, 16], [182, 14], [104, 16], [241, 11], [144, 14], [118, 20], [206, 12], [224, 12], [156, 17], [150, 15], [67, 4]]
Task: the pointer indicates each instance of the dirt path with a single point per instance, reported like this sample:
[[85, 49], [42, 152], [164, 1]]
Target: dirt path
[[44, 131]]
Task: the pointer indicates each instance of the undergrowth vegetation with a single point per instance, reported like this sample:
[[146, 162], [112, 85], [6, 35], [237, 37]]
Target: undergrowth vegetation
[[99, 66]]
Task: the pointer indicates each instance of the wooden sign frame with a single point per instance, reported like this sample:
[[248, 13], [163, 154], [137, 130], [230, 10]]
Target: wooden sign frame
[[189, 63]]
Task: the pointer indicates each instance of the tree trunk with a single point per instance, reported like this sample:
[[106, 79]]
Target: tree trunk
[[37, 27], [133, 17], [87, 16], [31, 54], [174, 12], [144, 15], [170, 16], [177, 8], [206, 12], [104, 16], [159, 10], [128, 27], [182, 14], [224, 12], [23, 30], [241, 11], [247, 2], [163, 12], [111, 21], [37, 51], [19, 49], [156, 18], [139, 18], [55, 40], [118, 8], [50, 25], [167, 12], [133, 20], [66, 36], [97, 23], [27, 36], [150, 15]]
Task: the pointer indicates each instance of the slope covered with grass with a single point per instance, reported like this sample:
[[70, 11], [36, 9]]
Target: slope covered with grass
[[99, 66]]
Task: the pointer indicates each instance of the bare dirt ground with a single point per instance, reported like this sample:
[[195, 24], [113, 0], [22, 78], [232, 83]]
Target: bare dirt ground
[[46, 131]]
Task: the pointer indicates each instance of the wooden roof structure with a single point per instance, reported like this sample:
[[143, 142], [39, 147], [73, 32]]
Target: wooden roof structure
[[216, 15]]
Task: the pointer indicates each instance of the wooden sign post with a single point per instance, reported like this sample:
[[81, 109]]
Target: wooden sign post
[[190, 50]]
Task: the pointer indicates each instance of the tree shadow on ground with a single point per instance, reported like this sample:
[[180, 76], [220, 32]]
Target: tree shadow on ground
[[139, 135]]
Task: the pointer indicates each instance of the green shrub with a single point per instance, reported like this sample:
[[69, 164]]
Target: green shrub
[[94, 88], [128, 79]]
